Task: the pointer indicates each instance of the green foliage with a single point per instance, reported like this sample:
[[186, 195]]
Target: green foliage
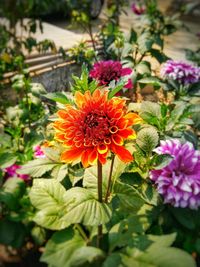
[[51, 163], [7, 159], [82, 84], [147, 139], [11, 191], [12, 233], [160, 161], [82, 53], [67, 248], [59, 208]]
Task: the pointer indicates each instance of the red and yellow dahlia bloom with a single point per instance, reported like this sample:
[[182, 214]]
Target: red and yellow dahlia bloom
[[94, 127]]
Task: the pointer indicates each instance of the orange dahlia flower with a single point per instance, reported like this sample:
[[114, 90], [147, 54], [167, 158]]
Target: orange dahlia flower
[[94, 127]]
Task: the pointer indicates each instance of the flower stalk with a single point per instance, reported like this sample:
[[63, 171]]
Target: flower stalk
[[110, 179], [99, 188]]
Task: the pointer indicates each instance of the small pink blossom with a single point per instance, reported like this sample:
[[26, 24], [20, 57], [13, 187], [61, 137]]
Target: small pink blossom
[[38, 153], [138, 9], [11, 171], [106, 71]]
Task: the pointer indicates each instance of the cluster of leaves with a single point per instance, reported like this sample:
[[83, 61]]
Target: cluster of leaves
[[69, 204]]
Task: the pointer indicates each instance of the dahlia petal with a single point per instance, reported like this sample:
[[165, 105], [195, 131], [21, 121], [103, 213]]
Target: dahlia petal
[[96, 94], [129, 84], [123, 154], [70, 155], [125, 133], [62, 114], [122, 123], [113, 129], [85, 158], [102, 158], [117, 139], [79, 99], [126, 71], [60, 136], [92, 156], [132, 118], [102, 148]]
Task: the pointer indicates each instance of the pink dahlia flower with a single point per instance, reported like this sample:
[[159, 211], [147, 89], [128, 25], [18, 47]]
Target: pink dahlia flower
[[38, 153], [11, 171], [138, 9], [179, 181], [182, 72], [106, 71]]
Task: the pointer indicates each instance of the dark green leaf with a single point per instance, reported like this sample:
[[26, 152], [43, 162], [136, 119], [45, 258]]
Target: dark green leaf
[[7, 159], [58, 97], [160, 161]]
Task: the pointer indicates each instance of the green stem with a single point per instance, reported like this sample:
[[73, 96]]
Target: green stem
[[110, 179], [81, 231], [27, 101], [99, 186]]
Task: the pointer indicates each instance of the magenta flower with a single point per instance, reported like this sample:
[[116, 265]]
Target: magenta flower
[[38, 153], [182, 72], [11, 171], [138, 9], [179, 181], [106, 71]]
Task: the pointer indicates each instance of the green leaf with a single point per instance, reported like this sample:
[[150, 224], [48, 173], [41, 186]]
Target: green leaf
[[58, 97], [85, 256], [11, 192], [160, 161], [129, 197], [39, 235], [48, 196], [147, 139], [118, 86], [194, 89], [113, 260], [151, 80], [145, 42], [7, 159], [186, 217], [76, 175], [12, 233], [157, 253], [59, 208], [59, 172], [38, 167], [159, 55], [149, 110], [144, 67], [123, 233], [82, 207], [62, 247], [133, 36], [165, 257], [37, 89]]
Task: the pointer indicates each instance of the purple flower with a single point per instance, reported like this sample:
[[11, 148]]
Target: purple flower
[[11, 171], [106, 71], [138, 9], [179, 181], [182, 72], [38, 153]]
